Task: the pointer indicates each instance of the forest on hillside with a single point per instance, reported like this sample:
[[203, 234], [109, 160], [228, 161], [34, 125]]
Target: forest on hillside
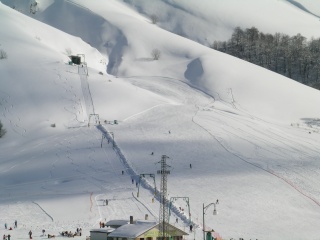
[[292, 56]]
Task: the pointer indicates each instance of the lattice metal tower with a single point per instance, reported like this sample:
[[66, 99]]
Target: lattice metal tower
[[163, 214]]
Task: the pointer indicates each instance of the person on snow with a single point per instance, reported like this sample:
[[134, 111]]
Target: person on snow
[[9, 236], [4, 237], [15, 224], [30, 234], [5, 225]]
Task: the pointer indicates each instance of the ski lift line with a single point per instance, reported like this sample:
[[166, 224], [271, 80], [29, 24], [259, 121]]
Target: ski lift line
[[44, 211], [131, 171], [173, 199], [142, 175], [86, 89], [143, 204]]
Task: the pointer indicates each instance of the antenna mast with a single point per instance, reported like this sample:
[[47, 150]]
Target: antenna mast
[[163, 215]]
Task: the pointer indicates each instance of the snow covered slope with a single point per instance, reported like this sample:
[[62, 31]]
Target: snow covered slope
[[208, 20], [204, 21], [250, 135], [312, 7]]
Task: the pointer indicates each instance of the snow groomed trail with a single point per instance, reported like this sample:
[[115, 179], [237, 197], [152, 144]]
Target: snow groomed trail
[[83, 73], [264, 140], [228, 126]]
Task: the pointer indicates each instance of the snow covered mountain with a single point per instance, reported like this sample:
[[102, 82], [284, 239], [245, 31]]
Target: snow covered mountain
[[251, 136]]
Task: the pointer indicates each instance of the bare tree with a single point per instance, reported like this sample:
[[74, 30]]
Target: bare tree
[[156, 53], [154, 18], [2, 130], [291, 56], [3, 54]]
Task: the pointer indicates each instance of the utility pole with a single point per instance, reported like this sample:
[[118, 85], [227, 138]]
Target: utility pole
[[163, 215]]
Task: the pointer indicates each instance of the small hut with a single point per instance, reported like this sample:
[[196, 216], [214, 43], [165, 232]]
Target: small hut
[[100, 233], [75, 59], [116, 223], [144, 230]]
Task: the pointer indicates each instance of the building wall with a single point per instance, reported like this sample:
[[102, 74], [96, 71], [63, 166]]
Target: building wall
[[153, 234], [98, 236]]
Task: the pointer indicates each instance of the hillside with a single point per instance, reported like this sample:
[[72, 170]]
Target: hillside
[[250, 135], [210, 20]]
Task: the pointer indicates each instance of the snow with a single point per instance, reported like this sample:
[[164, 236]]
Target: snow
[[133, 230], [308, 6], [252, 136], [208, 20]]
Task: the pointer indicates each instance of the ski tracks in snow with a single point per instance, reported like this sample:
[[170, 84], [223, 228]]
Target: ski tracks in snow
[[267, 138], [11, 115], [74, 106]]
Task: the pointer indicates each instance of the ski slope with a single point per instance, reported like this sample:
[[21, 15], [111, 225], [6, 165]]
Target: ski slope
[[250, 135]]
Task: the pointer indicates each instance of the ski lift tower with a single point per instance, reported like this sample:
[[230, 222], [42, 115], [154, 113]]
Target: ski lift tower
[[163, 214]]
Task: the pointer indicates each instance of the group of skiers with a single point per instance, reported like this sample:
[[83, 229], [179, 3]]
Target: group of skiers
[[8, 237], [70, 234], [65, 233], [15, 224], [102, 224]]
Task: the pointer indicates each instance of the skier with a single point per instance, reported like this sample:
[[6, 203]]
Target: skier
[[43, 231], [5, 225], [15, 224], [4, 237], [190, 165], [9, 236], [191, 228], [30, 234]]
